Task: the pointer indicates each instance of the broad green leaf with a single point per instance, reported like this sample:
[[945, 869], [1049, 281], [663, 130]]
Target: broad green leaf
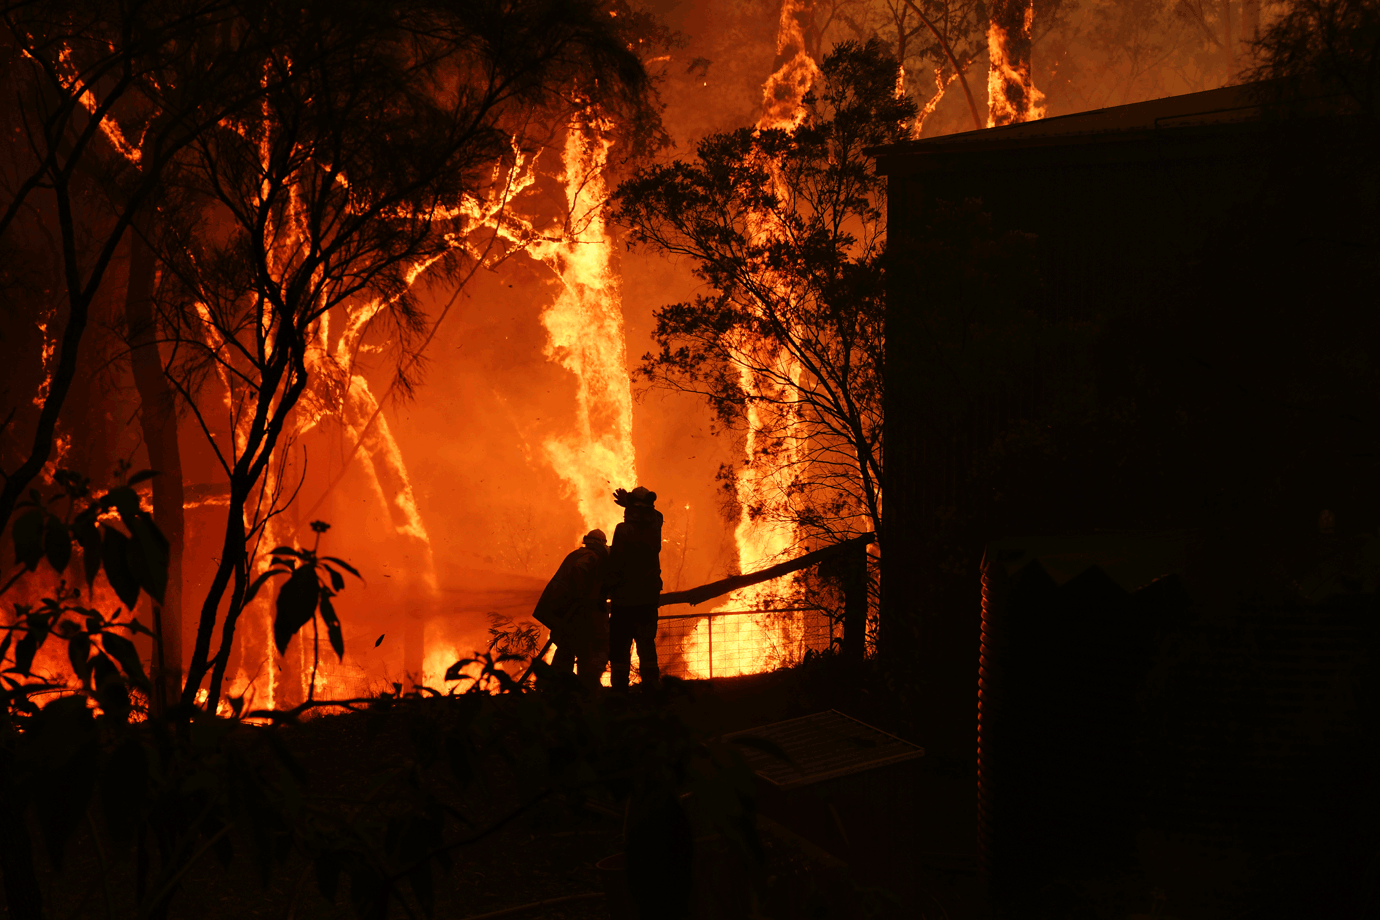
[[296, 606], [89, 537], [115, 549], [453, 672], [111, 693], [57, 544], [344, 565], [332, 626], [79, 655], [25, 650], [149, 556], [123, 651]]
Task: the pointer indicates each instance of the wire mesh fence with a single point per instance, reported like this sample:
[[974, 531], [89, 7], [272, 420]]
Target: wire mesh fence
[[726, 643]]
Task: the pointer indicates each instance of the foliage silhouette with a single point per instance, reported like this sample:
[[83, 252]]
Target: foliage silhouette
[[176, 786]]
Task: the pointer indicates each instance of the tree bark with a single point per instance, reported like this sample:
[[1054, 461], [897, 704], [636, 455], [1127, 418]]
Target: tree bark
[[1011, 93], [854, 571], [158, 420]]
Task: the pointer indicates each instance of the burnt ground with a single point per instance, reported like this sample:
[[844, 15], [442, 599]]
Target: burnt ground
[[918, 859]]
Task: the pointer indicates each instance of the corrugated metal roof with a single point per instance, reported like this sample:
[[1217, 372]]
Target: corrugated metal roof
[[823, 746], [1228, 105], [1214, 106]]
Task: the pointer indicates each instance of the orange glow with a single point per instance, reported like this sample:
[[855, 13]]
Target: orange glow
[[1011, 93], [941, 86], [585, 329], [46, 356], [88, 101], [764, 479], [796, 71]]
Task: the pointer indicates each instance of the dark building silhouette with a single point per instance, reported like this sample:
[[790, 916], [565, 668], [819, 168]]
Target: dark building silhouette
[[1159, 318]]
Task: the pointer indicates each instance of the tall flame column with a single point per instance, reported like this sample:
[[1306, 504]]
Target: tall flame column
[[1011, 93], [585, 329]]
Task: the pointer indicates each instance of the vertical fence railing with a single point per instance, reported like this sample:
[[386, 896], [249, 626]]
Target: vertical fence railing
[[724, 643]]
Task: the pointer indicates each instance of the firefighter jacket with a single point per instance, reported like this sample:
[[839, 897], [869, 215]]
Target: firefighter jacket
[[573, 594], [634, 573]]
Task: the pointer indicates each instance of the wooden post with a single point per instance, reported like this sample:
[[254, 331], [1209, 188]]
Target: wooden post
[[709, 624], [854, 570]]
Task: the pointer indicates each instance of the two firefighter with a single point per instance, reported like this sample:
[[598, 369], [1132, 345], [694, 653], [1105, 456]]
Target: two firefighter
[[628, 575]]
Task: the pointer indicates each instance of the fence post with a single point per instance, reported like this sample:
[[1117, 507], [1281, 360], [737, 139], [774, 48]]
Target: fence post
[[853, 568], [709, 624]]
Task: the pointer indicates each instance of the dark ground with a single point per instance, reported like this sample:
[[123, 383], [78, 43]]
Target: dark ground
[[919, 860]]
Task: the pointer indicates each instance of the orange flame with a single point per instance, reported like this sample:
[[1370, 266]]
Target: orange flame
[[795, 73], [941, 86], [585, 329], [763, 482], [1011, 93]]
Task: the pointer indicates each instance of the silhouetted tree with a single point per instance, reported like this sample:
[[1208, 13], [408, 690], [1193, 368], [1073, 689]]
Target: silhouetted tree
[[93, 128], [388, 120], [1327, 45], [279, 163], [786, 227]]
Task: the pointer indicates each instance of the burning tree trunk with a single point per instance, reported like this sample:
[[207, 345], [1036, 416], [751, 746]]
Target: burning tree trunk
[[794, 71], [792, 329], [1011, 93], [585, 329], [386, 466], [159, 424]]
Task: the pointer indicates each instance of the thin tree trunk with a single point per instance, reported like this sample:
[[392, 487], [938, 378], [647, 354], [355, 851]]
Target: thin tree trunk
[[1250, 27], [953, 62], [79, 304], [1228, 46], [254, 458], [158, 419]]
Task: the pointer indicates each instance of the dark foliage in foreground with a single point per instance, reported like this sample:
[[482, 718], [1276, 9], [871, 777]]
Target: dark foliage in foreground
[[178, 784]]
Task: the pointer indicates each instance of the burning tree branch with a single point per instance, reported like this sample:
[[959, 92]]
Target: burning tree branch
[[336, 196], [960, 72]]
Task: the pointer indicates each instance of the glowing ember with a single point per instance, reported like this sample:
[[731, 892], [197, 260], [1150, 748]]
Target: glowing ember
[[49, 347]]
